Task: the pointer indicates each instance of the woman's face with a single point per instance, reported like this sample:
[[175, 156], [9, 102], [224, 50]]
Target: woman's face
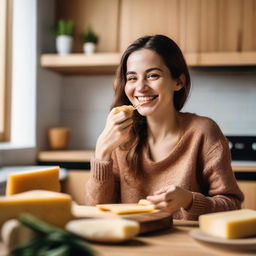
[[149, 83]]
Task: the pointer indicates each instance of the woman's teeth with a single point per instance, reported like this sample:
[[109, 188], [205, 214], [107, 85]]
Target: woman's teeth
[[143, 99]]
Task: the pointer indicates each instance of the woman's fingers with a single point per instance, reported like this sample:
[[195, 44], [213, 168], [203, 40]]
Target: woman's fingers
[[125, 124], [156, 199]]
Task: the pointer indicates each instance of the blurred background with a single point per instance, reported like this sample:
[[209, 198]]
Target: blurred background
[[49, 80]]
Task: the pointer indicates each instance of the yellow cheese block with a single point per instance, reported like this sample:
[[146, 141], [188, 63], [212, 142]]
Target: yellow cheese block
[[104, 230], [46, 179], [125, 208], [230, 224], [126, 108], [52, 207]]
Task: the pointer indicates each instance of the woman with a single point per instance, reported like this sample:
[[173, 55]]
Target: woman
[[179, 161]]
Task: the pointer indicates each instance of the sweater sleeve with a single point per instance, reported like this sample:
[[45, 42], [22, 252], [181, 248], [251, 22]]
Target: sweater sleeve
[[103, 184], [223, 193]]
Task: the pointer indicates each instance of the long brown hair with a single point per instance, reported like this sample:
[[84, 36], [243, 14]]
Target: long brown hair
[[174, 60]]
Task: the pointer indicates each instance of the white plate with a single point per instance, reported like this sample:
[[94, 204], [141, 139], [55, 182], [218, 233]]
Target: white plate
[[244, 244]]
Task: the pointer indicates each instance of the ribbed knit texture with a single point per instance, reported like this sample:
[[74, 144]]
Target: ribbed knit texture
[[199, 162], [102, 170]]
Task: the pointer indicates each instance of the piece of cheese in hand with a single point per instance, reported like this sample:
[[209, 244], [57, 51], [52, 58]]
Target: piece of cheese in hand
[[52, 207], [126, 108], [108, 230], [46, 179], [126, 208], [229, 224], [144, 202]]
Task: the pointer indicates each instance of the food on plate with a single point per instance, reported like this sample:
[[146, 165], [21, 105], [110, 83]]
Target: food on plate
[[126, 208], [106, 230], [229, 224], [126, 108], [52, 207], [46, 179]]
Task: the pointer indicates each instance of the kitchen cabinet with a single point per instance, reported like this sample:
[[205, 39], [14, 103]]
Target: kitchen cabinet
[[210, 32], [197, 26]]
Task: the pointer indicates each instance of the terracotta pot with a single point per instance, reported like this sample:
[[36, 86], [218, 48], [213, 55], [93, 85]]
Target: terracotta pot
[[58, 137]]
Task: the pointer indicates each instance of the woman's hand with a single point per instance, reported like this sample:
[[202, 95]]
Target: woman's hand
[[171, 198], [116, 132]]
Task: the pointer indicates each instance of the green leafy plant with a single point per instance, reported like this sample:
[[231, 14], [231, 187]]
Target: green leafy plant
[[50, 241], [89, 36], [65, 28]]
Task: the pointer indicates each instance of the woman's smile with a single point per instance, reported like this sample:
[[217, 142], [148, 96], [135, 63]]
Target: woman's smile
[[145, 100]]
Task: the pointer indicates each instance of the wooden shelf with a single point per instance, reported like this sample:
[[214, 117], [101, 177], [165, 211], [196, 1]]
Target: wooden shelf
[[65, 156], [72, 64], [106, 63]]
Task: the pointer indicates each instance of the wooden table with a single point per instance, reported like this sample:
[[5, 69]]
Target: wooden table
[[173, 242]]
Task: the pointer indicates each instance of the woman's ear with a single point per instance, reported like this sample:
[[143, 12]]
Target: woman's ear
[[180, 82]]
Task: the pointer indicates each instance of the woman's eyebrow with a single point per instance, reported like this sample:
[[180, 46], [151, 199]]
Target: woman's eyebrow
[[130, 72], [148, 70]]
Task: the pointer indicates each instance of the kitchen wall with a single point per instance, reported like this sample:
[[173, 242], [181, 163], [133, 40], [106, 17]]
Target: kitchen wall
[[227, 95]]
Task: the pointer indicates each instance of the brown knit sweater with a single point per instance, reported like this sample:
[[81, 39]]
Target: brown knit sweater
[[199, 162]]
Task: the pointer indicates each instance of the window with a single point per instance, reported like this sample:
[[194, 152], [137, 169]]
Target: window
[[5, 68]]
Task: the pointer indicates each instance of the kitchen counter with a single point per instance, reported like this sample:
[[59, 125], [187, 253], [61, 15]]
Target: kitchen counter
[[79, 159], [174, 242]]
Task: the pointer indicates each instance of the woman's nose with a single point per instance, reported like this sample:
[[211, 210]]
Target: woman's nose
[[141, 85]]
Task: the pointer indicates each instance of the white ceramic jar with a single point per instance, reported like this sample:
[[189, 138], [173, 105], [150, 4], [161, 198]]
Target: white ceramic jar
[[89, 48], [64, 44]]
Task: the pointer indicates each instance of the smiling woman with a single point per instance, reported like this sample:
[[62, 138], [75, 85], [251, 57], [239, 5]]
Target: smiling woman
[[179, 161], [5, 68]]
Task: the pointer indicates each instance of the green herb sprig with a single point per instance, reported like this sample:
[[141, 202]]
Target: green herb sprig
[[50, 241]]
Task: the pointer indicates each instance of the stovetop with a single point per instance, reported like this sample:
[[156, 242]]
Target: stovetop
[[243, 148]]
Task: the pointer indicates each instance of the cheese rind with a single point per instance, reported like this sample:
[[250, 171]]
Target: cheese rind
[[107, 230], [46, 179], [52, 207], [229, 224], [126, 208]]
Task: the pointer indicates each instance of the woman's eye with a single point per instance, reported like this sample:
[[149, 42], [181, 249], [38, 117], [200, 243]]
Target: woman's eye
[[152, 76], [131, 78]]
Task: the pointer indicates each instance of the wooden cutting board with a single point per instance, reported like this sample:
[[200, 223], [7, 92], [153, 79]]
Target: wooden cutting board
[[148, 221]]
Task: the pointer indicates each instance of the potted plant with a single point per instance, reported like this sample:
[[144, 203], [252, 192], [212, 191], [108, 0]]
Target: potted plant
[[90, 40], [64, 36]]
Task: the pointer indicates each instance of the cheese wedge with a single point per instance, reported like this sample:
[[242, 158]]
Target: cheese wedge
[[46, 179], [126, 108], [230, 224], [104, 230], [52, 207], [125, 208]]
